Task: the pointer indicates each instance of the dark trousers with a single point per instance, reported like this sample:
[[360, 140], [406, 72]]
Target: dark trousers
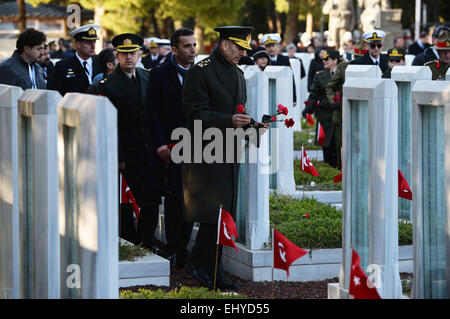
[[329, 153], [127, 229], [146, 227], [178, 232], [203, 254]]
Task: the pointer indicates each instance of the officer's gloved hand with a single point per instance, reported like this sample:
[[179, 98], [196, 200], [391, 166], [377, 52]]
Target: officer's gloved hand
[[304, 113]]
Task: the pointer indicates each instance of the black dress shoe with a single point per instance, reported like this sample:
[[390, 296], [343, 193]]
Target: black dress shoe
[[173, 260], [202, 277]]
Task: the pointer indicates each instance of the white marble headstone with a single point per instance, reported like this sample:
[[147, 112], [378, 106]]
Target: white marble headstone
[[88, 179], [9, 193], [38, 175]]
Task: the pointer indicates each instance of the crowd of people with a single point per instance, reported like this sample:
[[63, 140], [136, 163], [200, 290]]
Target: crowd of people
[[156, 88]]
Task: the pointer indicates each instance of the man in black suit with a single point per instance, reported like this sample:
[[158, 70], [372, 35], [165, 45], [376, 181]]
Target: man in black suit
[[420, 45], [126, 88], [430, 53], [373, 41], [271, 42], [75, 74], [164, 101], [46, 65], [152, 60]]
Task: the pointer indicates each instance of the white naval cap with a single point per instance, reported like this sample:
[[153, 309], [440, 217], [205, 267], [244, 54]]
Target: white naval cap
[[271, 38], [86, 32], [374, 36], [153, 42]]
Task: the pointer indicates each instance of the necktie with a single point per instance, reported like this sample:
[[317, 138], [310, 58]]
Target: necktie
[[85, 68], [133, 79], [376, 62]]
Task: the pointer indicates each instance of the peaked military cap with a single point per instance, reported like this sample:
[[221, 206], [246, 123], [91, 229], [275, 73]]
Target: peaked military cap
[[396, 54], [261, 54], [374, 36], [239, 35], [153, 42], [271, 38], [443, 42], [333, 54], [86, 32], [164, 42], [127, 42]]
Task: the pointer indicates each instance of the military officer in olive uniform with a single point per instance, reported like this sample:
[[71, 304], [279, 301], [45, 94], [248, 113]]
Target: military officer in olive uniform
[[141, 168], [439, 67], [319, 104], [75, 74], [213, 88], [333, 87], [395, 57]]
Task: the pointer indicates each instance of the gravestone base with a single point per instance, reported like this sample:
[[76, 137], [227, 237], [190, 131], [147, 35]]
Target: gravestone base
[[337, 292], [148, 270]]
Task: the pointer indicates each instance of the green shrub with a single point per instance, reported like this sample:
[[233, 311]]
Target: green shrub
[[322, 229], [182, 293], [323, 182], [131, 253], [305, 139]]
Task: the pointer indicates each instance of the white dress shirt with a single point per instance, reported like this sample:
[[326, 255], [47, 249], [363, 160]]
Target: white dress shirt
[[88, 66]]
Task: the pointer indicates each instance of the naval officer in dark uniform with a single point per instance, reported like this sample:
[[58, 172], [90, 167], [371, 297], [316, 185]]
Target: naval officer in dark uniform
[[212, 90], [374, 42], [126, 88], [75, 74]]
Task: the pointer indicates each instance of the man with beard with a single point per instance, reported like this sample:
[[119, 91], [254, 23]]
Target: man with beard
[[46, 65], [76, 74], [164, 102]]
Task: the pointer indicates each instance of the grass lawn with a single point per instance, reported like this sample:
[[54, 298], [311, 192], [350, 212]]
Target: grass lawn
[[324, 182]]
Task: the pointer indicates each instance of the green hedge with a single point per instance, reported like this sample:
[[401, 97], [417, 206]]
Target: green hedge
[[323, 228], [323, 182], [131, 253], [182, 293]]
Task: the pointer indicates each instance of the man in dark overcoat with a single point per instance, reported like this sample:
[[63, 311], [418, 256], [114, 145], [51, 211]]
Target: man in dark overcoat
[[213, 89], [126, 88], [76, 74], [164, 101]]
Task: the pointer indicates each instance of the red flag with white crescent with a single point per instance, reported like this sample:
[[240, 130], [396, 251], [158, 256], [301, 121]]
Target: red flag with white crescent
[[126, 197], [226, 229], [306, 165], [284, 252], [403, 188]]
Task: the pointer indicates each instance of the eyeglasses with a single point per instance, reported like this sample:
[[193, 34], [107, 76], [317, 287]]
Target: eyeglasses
[[378, 45], [326, 59]]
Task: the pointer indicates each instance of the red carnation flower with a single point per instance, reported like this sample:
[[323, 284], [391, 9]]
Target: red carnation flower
[[274, 119], [307, 102], [289, 122], [282, 109], [318, 103], [240, 108], [170, 146], [438, 64], [306, 215]]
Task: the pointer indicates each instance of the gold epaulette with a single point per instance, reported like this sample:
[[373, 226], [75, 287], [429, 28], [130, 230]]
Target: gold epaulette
[[204, 62], [431, 62]]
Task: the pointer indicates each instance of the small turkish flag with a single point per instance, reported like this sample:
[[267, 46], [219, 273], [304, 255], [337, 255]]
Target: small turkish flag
[[226, 229], [358, 281], [309, 119], [321, 135], [306, 165], [126, 197], [403, 188], [284, 252], [338, 178]]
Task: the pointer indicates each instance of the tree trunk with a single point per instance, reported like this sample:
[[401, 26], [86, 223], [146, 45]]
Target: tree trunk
[[101, 34], [155, 24], [309, 24], [291, 22], [199, 32], [22, 15]]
